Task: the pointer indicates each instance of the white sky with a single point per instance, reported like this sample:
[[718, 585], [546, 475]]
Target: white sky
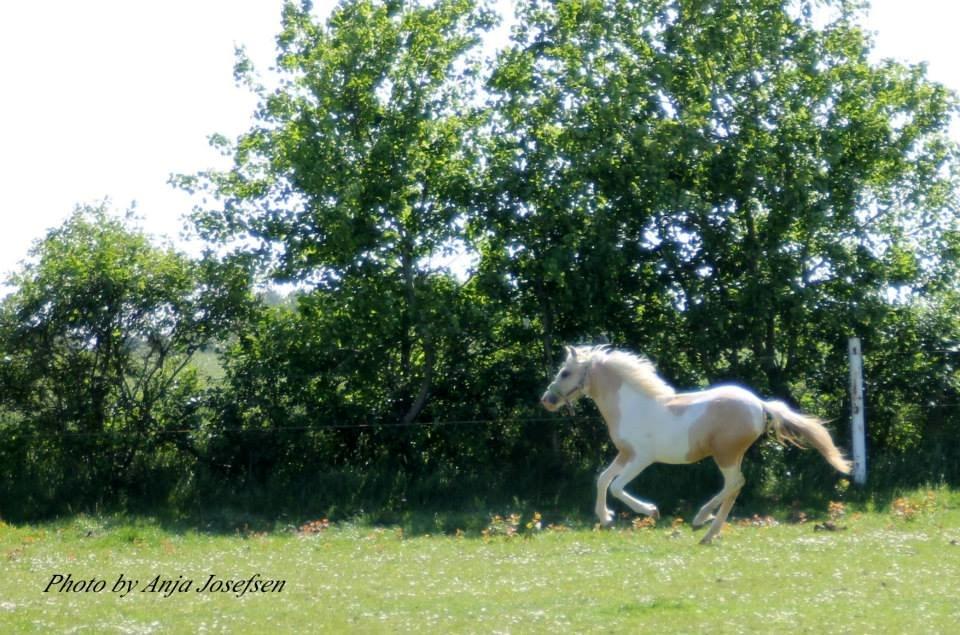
[[107, 98]]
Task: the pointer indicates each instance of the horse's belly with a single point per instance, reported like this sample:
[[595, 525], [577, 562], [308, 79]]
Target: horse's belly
[[663, 445], [676, 449]]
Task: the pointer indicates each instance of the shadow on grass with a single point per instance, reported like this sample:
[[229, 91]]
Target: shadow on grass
[[562, 505], [125, 527]]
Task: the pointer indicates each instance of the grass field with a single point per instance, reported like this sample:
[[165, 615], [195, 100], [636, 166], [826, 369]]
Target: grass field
[[886, 569]]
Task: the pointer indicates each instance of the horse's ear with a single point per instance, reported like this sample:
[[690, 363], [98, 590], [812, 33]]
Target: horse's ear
[[571, 352]]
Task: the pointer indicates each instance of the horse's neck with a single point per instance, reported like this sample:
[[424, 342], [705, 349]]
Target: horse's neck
[[637, 400], [611, 393]]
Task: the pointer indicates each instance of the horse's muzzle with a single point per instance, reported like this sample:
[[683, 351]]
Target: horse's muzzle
[[550, 401]]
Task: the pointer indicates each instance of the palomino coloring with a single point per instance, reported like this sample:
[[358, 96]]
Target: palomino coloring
[[651, 423]]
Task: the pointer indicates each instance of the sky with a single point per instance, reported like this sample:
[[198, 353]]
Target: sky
[[105, 99]]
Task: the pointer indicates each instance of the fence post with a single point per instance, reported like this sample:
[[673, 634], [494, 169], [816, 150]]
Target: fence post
[[856, 409]]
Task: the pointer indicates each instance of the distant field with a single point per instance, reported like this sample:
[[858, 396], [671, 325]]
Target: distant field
[[889, 570]]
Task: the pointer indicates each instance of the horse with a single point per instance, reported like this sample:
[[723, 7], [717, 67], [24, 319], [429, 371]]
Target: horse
[[649, 422]]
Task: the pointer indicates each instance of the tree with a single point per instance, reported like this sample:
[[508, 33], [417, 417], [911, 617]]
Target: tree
[[356, 177], [97, 339], [727, 170], [731, 187]]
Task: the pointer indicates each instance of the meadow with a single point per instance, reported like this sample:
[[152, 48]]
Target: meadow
[[891, 567]]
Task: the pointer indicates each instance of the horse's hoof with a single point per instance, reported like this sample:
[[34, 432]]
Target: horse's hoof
[[703, 523], [706, 540], [656, 514]]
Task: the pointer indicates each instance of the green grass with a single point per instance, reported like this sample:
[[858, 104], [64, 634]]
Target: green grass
[[887, 569]]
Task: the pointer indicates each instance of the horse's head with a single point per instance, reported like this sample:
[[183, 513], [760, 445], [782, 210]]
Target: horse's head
[[568, 385]]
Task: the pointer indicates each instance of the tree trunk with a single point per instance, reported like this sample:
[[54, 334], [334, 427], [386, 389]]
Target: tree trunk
[[420, 401]]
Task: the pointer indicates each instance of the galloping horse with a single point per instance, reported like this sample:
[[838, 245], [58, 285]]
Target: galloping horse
[[650, 423]]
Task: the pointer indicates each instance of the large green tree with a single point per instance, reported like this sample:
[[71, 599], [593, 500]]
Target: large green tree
[[356, 179], [728, 183]]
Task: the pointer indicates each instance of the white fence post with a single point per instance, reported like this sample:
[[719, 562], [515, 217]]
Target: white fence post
[[856, 408]]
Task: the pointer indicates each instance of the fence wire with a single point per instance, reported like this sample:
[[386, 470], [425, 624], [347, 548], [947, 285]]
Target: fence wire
[[15, 430]]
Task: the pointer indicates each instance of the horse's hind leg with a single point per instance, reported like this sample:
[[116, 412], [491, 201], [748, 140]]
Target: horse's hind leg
[[705, 514], [732, 483]]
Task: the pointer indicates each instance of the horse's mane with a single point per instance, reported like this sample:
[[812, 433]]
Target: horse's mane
[[635, 370]]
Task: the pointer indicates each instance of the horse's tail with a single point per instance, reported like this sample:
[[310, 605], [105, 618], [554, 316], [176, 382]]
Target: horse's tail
[[799, 429]]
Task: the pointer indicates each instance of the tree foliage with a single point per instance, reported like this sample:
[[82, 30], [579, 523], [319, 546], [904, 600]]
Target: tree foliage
[[357, 177], [725, 167], [730, 186], [98, 337]]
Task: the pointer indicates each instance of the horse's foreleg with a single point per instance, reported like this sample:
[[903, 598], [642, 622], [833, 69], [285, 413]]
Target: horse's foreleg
[[630, 471], [732, 484], [603, 482]]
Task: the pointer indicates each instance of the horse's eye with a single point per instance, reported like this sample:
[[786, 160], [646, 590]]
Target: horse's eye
[[564, 374]]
